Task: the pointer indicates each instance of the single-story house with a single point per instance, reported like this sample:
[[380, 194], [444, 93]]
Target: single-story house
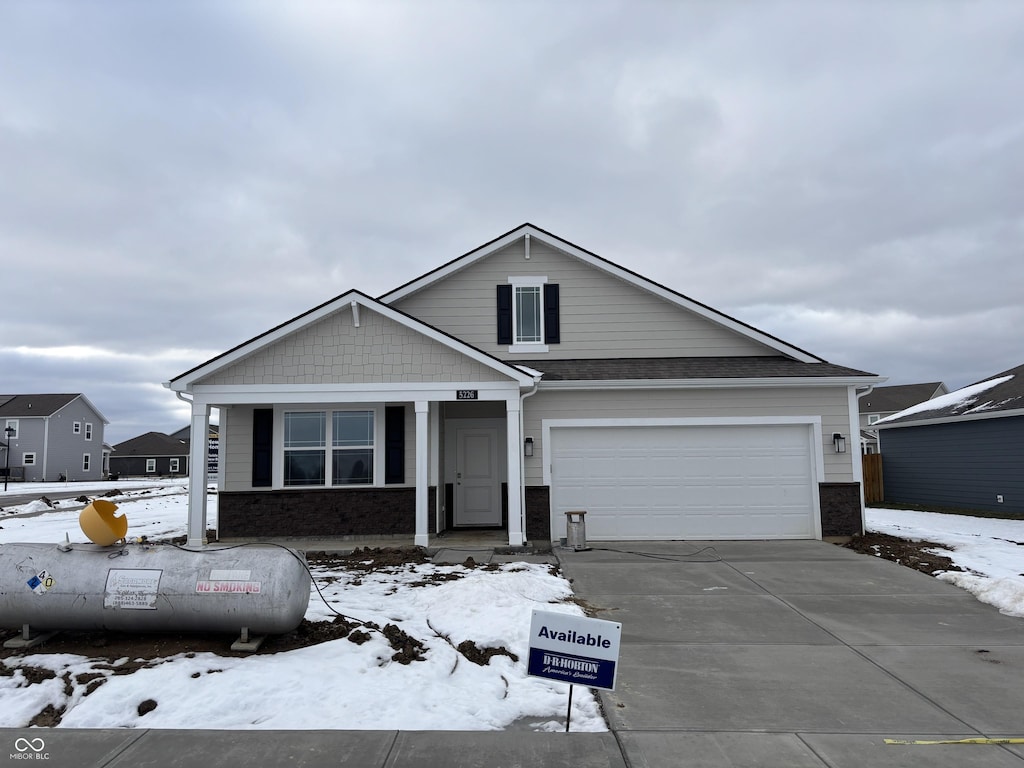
[[53, 437], [962, 450], [153, 454], [523, 380], [882, 402]]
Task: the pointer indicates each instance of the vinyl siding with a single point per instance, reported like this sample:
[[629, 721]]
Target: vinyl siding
[[333, 350], [601, 315], [829, 403], [964, 464]]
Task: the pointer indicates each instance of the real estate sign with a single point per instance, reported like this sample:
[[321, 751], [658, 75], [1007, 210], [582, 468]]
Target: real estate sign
[[574, 649]]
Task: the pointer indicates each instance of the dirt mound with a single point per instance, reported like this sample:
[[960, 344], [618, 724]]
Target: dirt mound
[[912, 554]]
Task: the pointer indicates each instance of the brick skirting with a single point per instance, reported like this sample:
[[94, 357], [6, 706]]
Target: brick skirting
[[840, 509]]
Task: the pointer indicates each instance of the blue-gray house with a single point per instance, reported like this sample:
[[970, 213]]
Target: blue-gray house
[[964, 449]]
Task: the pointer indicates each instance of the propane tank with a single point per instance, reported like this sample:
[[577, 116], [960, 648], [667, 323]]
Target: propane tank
[[256, 588]]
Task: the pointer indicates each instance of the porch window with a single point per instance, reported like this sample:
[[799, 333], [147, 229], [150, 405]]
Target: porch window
[[352, 444], [350, 435], [305, 443]]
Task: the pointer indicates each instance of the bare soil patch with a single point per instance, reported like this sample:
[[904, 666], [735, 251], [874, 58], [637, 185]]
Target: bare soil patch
[[912, 554]]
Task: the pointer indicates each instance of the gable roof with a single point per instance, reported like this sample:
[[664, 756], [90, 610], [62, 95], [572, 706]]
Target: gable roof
[[29, 406], [530, 231], [350, 299], [998, 396], [896, 398], [151, 444]]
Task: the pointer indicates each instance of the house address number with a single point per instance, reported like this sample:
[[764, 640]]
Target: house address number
[[467, 394]]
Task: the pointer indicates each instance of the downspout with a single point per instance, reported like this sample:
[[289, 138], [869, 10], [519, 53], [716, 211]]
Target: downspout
[[522, 434], [46, 446], [191, 442]]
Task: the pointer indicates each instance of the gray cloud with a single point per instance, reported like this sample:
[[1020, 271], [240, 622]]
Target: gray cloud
[[184, 176]]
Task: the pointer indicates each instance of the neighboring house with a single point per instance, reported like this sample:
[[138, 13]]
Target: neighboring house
[[882, 402], [521, 381], [53, 437], [153, 454], [963, 450]]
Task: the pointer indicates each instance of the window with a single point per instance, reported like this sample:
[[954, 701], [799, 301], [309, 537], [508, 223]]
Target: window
[[351, 437], [151, 465], [11, 424], [76, 428], [352, 444], [175, 465], [28, 459], [528, 314], [88, 431], [873, 417], [86, 461]]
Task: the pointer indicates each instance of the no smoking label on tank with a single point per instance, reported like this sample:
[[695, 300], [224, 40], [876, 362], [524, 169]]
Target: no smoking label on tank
[[41, 582]]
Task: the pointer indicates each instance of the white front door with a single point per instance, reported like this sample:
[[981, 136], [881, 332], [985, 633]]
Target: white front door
[[478, 477]]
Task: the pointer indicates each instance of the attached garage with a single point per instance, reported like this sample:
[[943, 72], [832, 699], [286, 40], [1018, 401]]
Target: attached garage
[[646, 480]]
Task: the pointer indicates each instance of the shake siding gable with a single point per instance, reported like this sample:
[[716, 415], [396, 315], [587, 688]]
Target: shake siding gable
[[333, 350], [600, 315]]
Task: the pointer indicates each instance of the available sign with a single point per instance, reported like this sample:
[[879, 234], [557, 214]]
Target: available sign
[[574, 649]]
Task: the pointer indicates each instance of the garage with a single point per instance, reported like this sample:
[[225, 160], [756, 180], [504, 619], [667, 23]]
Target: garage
[[686, 481]]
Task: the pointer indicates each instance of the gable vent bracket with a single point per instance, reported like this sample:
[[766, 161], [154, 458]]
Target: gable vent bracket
[[527, 247], [355, 314]]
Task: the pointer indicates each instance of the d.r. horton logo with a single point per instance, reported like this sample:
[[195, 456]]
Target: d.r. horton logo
[[29, 749]]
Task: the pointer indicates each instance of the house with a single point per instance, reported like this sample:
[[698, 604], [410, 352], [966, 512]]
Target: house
[[961, 450], [882, 402], [212, 447], [153, 454], [520, 381], [52, 437]]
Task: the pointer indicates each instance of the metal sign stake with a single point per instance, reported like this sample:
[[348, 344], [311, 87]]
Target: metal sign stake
[[568, 714]]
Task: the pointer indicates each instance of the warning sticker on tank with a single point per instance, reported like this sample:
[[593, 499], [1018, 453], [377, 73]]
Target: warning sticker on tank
[[133, 589], [41, 582], [224, 587]]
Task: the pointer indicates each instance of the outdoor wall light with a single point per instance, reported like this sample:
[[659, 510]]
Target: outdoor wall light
[[839, 441], [528, 447]]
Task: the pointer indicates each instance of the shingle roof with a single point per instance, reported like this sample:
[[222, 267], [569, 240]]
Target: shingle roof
[[33, 405], [151, 444], [896, 398], [970, 402], [682, 368]]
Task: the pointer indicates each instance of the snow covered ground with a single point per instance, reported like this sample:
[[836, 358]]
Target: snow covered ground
[[334, 685], [989, 549], [341, 685]]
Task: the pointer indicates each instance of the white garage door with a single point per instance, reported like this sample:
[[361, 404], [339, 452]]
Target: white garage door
[[685, 482]]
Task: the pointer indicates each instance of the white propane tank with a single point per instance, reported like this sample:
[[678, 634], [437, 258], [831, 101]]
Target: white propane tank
[[152, 588]]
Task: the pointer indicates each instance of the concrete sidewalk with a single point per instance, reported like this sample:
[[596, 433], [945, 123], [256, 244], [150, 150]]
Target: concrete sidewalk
[[789, 654]]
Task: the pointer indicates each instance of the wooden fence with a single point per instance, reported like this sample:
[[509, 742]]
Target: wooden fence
[[874, 488]]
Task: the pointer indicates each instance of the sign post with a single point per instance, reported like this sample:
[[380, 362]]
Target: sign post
[[574, 649]]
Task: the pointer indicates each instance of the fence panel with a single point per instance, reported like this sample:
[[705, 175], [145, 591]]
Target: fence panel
[[874, 488]]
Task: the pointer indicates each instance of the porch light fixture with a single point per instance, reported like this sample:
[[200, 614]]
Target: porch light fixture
[[839, 441], [528, 447]]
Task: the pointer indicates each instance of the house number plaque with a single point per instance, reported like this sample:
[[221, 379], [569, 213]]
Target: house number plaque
[[467, 394]]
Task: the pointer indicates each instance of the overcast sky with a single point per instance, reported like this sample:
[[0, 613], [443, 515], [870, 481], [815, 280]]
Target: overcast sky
[[178, 177]]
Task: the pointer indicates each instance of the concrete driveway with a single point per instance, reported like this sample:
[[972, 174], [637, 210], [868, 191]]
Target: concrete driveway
[[799, 654]]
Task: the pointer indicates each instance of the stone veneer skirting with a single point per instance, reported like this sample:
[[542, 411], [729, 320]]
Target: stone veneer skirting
[[320, 512], [840, 509]]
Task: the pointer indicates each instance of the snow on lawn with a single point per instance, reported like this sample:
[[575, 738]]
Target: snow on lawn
[[990, 550], [334, 685]]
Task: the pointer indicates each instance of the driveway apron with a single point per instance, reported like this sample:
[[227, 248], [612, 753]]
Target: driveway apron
[[799, 653]]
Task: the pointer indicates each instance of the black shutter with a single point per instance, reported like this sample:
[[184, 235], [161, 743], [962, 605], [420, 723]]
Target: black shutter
[[504, 314], [262, 447], [394, 444], [552, 329]]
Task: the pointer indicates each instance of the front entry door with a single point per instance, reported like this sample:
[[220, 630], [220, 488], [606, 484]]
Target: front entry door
[[477, 479]]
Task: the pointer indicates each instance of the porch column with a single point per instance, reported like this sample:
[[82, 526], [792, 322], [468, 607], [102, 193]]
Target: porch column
[[422, 474], [199, 435], [516, 536]]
